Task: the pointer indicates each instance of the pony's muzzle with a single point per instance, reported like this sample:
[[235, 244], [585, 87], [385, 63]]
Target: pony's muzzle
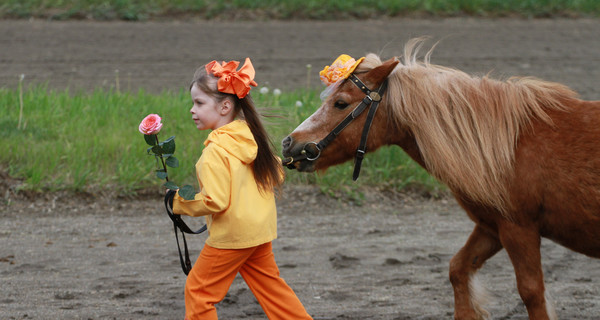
[[288, 157], [297, 155], [288, 162]]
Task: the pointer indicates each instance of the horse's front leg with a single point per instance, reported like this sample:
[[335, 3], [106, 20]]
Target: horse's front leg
[[480, 246], [522, 243]]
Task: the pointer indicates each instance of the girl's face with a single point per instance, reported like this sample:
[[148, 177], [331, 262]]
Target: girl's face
[[206, 112]]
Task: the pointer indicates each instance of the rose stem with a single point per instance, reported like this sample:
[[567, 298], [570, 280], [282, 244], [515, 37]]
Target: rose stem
[[161, 159]]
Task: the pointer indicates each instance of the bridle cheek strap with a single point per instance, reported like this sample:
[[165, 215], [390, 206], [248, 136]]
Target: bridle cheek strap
[[375, 97]]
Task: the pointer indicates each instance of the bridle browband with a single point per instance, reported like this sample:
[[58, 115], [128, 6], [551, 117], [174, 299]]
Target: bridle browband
[[372, 99]]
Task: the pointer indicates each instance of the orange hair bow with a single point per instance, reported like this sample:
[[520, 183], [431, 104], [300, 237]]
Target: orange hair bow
[[230, 80]]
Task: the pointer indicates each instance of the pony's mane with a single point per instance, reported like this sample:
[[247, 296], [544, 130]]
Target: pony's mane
[[467, 127]]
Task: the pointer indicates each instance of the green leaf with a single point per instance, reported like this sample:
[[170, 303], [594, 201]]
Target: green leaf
[[157, 150], [168, 146], [161, 174], [170, 185], [150, 139], [172, 162], [187, 192]]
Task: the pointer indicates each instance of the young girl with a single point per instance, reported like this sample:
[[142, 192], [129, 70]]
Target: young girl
[[237, 174]]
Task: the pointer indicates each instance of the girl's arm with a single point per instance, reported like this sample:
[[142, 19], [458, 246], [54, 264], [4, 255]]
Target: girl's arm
[[212, 171]]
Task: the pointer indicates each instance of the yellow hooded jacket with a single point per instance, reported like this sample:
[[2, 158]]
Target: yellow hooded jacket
[[238, 215]]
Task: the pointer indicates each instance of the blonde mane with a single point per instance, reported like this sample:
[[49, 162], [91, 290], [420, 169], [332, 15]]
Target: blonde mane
[[467, 127]]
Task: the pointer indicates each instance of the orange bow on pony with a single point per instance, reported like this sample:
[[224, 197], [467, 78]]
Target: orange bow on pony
[[230, 80]]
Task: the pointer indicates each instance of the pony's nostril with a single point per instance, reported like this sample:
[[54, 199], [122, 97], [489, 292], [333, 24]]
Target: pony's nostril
[[287, 142]]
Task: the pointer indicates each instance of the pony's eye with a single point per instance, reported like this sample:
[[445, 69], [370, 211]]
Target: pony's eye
[[340, 104]]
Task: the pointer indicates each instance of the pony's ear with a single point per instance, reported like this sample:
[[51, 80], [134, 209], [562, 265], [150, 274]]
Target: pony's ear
[[378, 74]]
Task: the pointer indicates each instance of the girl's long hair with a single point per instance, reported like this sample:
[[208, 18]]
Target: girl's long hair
[[267, 169]]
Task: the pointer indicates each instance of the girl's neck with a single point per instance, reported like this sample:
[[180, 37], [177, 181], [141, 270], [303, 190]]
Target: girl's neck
[[224, 121]]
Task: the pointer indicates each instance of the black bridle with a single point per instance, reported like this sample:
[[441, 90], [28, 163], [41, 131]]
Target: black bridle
[[372, 99]]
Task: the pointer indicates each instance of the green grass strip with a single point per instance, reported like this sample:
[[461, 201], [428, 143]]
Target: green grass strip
[[89, 141], [291, 9]]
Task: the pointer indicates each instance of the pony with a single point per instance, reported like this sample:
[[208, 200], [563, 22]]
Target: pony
[[521, 156]]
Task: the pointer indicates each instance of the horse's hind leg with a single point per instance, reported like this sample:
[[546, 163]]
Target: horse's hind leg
[[523, 247], [480, 246]]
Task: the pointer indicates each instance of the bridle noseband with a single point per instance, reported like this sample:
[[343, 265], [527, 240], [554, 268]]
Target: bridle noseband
[[372, 99]]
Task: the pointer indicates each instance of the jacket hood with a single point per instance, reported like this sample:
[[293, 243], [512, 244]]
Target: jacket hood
[[237, 139]]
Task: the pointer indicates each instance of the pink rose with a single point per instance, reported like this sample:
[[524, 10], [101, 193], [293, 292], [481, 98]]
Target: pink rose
[[151, 124]]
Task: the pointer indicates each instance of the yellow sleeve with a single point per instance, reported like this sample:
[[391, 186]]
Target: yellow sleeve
[[214, 178]]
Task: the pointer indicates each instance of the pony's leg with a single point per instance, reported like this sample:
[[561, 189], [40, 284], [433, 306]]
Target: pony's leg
[[480, 246], [522, 244]]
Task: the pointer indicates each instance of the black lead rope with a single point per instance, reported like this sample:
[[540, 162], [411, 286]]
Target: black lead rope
[[178, 223]]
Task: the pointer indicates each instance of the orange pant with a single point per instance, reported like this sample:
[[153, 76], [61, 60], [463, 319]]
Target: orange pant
[[214, 271]]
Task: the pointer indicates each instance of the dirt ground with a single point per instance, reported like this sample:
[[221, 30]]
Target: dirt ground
[[87, 257]]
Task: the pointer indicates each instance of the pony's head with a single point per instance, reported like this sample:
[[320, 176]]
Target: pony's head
[[302, 149]]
